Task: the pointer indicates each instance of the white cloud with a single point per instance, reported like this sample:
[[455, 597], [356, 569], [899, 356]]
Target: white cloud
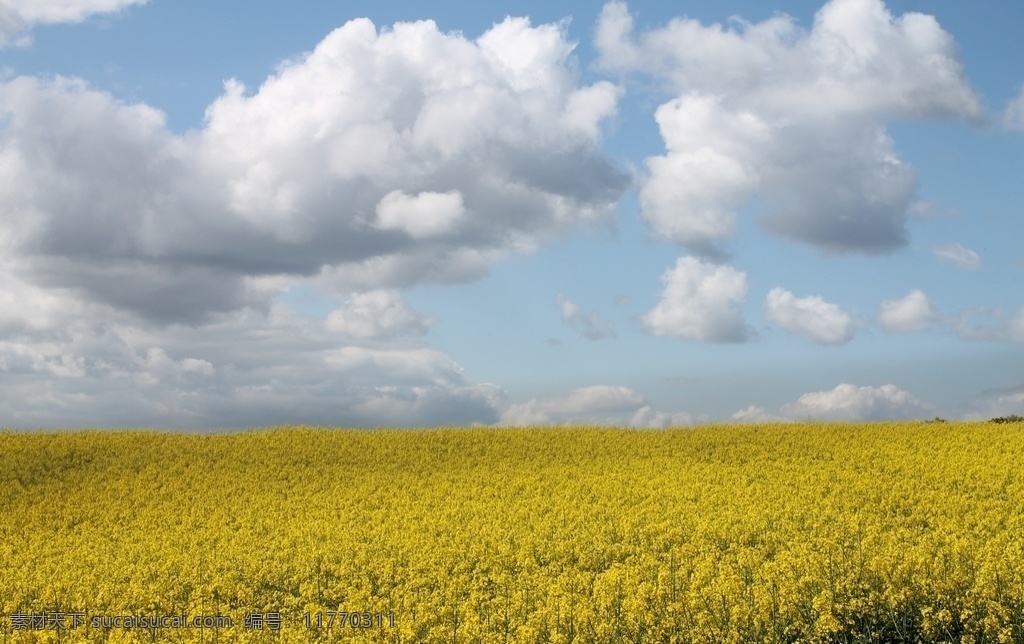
[[822, 321], [381, 314], [846, 403], [590, 325], [911, 312], [954, 253], [794, 115], [989, 324], [427, 113], [599, 405], [18, 16], [1013, 116], [699, 302], [54, 11], [381, 159]]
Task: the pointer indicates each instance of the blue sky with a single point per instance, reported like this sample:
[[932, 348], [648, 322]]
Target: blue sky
[[242, 214]]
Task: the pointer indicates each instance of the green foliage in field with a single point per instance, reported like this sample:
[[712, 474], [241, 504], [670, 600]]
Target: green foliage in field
[[899, 532]]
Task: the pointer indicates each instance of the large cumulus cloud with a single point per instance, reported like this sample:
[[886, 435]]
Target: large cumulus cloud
[[141, 269], [795, 116], [424, 151]]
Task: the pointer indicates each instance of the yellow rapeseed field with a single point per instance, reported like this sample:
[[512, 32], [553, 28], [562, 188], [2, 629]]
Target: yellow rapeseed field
[[888, 532]]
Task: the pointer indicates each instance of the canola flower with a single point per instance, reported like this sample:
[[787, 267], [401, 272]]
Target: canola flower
[[884, 532]]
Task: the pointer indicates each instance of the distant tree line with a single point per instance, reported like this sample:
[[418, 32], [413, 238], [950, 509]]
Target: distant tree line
[[1012, 418]]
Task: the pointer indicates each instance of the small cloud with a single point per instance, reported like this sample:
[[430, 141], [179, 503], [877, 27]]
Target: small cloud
[[17, 17], [590, 325], [699, 302], [928, 209], [912, 312], [954, 253], [622, 300], [822, 321], [922, 209], [1013, 116]]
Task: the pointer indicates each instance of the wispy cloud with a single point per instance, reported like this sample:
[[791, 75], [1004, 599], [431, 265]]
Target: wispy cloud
[[589, 325], [1013, 115], [956, 254], [990, 324]]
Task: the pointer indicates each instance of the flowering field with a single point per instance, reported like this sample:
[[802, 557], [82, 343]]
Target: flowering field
[[890, 532]]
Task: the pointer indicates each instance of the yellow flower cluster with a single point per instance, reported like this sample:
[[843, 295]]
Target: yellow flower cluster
[[887, 532]]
